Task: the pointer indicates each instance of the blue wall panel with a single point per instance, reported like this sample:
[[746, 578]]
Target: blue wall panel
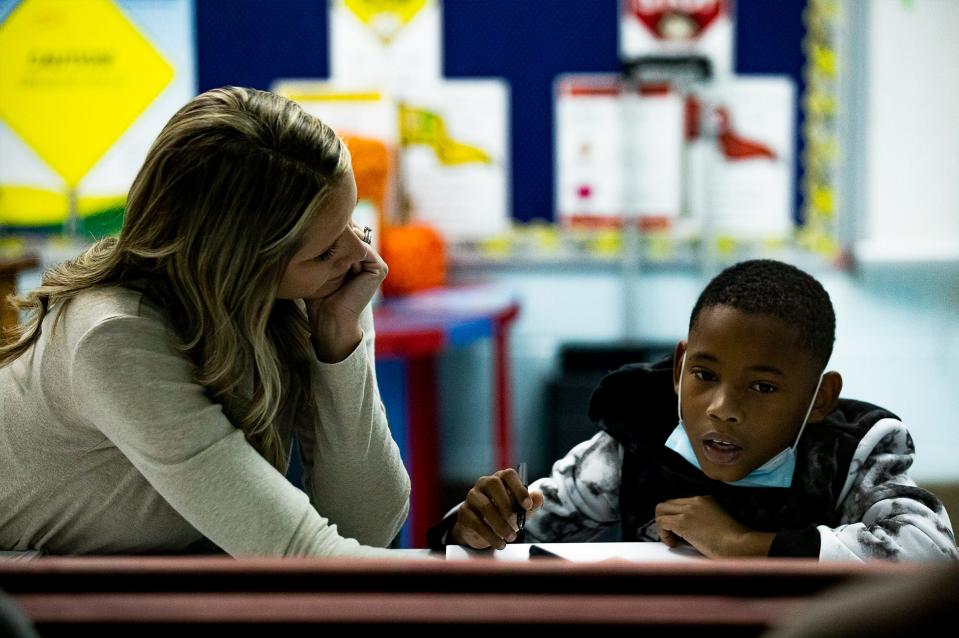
[[252, 42]]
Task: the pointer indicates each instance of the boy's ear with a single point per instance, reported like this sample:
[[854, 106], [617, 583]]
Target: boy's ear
[[827, 398], [678, 364]]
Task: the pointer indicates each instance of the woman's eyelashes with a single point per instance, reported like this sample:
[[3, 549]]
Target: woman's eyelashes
[[329, 252], [326, 255]]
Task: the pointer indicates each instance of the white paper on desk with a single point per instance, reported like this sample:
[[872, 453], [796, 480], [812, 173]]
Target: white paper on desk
[[582, 552]]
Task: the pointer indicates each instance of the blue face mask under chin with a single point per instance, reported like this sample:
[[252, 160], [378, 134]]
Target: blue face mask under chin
[[776, 472]]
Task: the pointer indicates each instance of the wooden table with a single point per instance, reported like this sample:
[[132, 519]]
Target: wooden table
[[114, 596]]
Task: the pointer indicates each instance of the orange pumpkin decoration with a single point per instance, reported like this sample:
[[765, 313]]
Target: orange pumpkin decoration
[[371, 169], [416, 255], [415, 252]]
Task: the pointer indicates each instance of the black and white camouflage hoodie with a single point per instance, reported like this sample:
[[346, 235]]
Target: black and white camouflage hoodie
[[851, 497]]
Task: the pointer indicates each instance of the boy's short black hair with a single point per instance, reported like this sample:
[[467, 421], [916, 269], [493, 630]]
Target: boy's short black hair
[[773, 288]]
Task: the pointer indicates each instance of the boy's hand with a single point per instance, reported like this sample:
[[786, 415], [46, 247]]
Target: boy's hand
[[487, 518], [702, 523]]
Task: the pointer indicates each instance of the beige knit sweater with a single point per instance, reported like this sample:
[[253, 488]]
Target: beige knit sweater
[[107, 446]]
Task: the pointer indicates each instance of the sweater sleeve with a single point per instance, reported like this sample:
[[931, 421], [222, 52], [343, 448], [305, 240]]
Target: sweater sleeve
[[352, 467], [128, 380], [884, 515]]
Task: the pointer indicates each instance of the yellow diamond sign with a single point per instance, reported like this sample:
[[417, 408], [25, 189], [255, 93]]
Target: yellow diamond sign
[[74, 75], [385, 17]]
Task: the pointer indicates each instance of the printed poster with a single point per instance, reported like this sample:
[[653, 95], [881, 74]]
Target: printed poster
[[385, 43], [85, 87], [454, 156], [589, 149], [743, 167], [678, 29], [618, 152]]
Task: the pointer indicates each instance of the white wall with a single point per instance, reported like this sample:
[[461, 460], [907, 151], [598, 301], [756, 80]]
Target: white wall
[[911, 118]]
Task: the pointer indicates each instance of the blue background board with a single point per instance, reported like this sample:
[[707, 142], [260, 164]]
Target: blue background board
[[391, 375], [527, 42]]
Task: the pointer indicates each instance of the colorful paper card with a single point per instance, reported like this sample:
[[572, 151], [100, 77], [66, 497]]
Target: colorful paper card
[[743, 165], [454, 158], [385, 43]]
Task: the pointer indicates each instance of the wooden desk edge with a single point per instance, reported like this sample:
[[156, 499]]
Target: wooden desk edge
[[204, 590]]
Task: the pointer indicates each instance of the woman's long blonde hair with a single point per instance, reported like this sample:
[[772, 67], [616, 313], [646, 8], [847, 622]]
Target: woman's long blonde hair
[[216, 212]]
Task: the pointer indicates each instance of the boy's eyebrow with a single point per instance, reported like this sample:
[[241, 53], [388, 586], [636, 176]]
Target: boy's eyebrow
[[770, 369]]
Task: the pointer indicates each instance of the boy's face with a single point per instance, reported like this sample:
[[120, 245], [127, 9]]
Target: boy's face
[[745, 389]]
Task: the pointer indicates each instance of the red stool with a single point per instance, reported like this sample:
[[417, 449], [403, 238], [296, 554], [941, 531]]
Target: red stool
[[411, 332]]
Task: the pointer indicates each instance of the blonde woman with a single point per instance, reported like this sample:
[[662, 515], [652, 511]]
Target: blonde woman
[[149, 403]]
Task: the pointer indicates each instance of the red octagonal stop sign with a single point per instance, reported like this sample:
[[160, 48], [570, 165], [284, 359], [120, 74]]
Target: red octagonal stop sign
[[666, 19]]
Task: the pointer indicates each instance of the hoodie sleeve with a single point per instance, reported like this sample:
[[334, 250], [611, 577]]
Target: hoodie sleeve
[[581, 494], [884, 515], [580, 497]]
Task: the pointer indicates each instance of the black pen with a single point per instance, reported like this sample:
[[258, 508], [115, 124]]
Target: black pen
[[535, 551], [521, 511]]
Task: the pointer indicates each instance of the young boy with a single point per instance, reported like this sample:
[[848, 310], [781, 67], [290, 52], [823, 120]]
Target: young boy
[[763, 458]]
